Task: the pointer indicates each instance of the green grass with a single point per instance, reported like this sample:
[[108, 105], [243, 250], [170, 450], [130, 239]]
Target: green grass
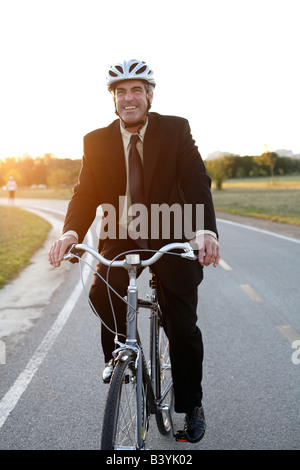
[[280, 205], [260, 197], [21, 234], [279, 182]]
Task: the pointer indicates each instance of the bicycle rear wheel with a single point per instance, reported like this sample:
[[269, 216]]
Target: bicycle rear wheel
[[125, 423], [165, 391]]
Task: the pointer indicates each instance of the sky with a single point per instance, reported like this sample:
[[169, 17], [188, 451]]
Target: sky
[[231, 67]]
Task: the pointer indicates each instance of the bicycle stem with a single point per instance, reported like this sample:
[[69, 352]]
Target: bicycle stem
[[132, 261]]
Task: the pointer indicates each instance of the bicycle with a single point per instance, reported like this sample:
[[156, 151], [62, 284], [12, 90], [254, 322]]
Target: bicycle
[[138, 389]]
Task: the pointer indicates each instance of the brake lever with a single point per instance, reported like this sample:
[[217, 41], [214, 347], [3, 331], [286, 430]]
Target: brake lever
[[189, 252], [73, 254]]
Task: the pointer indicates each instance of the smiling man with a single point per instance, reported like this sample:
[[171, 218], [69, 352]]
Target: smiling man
[[132, 101], [151, 159]]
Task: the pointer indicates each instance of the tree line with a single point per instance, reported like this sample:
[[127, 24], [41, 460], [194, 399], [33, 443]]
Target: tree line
[[46, 170], [234, 166], [51, 171]]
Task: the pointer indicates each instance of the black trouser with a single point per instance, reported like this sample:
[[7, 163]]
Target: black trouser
[[179, 316]]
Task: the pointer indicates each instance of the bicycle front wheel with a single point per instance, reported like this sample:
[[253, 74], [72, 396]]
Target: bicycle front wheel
[[125, 423]]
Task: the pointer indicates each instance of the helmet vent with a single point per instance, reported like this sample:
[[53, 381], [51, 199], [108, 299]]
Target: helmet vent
[[132, 67], [141, 70]]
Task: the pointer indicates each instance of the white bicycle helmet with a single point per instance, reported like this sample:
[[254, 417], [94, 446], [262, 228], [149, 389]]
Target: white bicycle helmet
[[130, 70]]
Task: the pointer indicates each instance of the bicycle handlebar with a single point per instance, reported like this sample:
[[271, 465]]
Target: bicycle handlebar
[[80, 248]]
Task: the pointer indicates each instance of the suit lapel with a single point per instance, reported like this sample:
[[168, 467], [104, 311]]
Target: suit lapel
[[152, 144], [115, 158]]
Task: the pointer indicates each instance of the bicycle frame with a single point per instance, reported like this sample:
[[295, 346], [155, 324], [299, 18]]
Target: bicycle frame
[[147, 381], [133, 344]]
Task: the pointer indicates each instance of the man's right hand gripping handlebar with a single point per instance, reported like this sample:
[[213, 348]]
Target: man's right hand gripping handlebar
[[59, 248]]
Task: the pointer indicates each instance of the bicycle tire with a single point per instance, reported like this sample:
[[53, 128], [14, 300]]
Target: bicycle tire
[[165, 390], [120, 429]]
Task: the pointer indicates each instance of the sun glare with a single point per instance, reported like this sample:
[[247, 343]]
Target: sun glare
[[231, 71]]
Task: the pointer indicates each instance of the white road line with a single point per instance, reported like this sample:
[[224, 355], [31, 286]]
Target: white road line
[[44, 209], [10, 400], [255, 229]]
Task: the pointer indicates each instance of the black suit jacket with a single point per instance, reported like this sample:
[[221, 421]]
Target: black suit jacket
[[174, 173]]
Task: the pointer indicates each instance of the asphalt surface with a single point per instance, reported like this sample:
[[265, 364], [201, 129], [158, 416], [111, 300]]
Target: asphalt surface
[[51, 395]]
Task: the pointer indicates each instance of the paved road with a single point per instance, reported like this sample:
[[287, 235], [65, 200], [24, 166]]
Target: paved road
[[51, 395]]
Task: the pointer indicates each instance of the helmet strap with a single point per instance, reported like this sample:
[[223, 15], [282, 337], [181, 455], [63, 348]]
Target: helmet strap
[[140, 123]]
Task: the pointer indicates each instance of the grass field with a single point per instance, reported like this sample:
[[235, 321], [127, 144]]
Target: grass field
[[277, 205], [21, 234], [260, 197], [279, 182], [277, 200]]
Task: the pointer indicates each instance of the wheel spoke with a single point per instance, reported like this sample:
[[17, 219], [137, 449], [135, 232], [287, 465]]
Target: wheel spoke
[[120, 430], [166, 393]]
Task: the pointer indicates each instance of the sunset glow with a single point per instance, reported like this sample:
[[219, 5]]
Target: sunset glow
[[230, 67]]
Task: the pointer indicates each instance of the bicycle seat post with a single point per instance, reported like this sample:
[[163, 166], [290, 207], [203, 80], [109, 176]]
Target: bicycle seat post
[[132, 263]]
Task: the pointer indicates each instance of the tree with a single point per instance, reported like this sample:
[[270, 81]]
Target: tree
[[267, 159], [57, 177], [219, 169]]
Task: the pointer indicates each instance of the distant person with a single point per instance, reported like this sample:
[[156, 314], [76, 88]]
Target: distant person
[[11, 187]]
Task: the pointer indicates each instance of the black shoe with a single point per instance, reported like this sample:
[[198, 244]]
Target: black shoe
[[107, 371], [195, 425]]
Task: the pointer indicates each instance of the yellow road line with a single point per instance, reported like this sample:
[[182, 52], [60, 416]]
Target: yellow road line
[[225, 265], [288, 333], [252, 293]]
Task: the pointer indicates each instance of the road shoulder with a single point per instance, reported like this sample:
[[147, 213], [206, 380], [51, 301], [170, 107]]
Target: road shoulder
[[24, 299]]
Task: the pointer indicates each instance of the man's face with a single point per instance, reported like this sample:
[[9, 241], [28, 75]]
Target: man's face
[[131, 101]]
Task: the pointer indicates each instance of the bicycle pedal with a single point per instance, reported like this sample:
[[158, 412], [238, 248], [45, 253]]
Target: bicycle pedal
[[180, 436]]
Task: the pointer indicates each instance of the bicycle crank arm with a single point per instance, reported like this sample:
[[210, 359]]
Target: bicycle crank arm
[[167, 410]]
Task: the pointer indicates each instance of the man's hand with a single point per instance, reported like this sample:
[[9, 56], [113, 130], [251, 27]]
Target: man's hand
[[58, 249], [209, 249]]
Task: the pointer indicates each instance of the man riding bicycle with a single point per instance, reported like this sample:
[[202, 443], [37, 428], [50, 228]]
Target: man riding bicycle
[[172, 175]]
